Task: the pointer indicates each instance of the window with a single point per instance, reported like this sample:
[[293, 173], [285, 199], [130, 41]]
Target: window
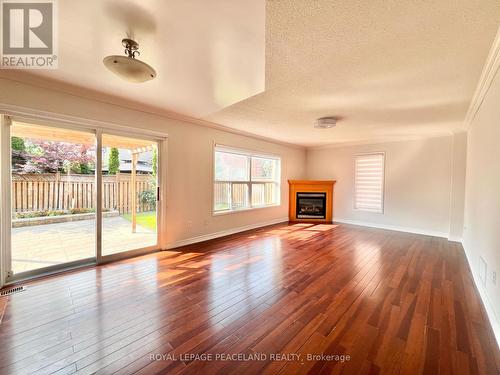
[[369, 182], [244, 180]]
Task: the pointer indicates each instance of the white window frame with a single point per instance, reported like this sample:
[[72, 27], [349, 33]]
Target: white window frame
[[249, 182], [382, 208]]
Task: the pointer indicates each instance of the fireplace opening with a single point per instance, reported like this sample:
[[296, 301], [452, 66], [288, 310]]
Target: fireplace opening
[[311, 205]]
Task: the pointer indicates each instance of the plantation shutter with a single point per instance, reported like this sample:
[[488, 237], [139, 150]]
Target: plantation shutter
[[369, 182]]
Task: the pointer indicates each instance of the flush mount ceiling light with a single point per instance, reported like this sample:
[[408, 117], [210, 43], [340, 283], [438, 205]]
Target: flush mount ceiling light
[[128, 67], [325, 123]]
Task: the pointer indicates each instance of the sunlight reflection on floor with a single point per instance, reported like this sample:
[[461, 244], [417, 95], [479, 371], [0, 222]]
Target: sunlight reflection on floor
[[322, 227]]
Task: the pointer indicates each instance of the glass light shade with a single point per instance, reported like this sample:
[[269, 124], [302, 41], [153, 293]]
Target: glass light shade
[[130, 69]]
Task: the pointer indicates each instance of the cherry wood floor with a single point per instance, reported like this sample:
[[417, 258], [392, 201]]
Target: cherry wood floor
[[395, 303]]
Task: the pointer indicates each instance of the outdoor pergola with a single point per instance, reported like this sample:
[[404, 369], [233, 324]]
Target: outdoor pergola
[[47, 133]]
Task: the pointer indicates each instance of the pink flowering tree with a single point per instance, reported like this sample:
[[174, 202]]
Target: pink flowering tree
[[51, 157]]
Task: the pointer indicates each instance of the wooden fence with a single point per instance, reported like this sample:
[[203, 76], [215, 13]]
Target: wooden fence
[[237, 194], [54, 191]]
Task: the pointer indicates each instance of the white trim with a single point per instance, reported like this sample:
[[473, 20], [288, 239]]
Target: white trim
[[161, 206], [128, 254], [245, 151], [5, 183], [455, 239], [380, 141], [488, 306], [245, 209], [50, 270], [392, 227], [490, 69], [38, 116], [98, 197], [223, 233]]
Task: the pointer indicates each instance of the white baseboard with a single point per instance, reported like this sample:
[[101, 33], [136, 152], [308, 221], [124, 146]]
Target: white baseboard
[[490, 311], [455, 239], [227, 232], [391, 227]]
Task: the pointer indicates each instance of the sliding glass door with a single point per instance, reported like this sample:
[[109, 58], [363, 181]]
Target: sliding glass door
[[53, 196], [57, 176], [129, 187]]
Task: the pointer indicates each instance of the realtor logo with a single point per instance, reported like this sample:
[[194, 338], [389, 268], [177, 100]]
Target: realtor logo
[[28, 34]]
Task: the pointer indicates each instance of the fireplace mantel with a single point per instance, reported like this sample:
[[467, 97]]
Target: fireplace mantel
[[311, 186]]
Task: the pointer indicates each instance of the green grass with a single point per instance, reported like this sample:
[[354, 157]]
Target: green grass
[[144, 219]]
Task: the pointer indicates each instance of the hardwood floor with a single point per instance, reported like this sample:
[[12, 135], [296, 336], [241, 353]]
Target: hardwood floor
[[392, 302]]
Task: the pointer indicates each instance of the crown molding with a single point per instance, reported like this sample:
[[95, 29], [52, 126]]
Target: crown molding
[[486, 79], [383, 140], [40, 117]]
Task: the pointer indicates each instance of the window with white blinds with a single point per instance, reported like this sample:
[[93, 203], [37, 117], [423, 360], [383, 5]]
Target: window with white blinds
[[369, 182]]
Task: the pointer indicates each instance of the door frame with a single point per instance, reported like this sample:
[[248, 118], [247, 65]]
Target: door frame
[[9, 112], [5, 198]]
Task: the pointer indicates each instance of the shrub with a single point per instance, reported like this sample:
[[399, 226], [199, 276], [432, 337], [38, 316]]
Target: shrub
[[73, 211], [28, 215], [148, 197], [114, 161], [33, 214], [56, 213], [154, 162], [85, 168]]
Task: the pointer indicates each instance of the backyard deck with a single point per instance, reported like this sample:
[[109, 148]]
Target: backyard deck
[[46, 245]]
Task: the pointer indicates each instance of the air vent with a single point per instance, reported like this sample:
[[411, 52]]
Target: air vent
[[8, 292]]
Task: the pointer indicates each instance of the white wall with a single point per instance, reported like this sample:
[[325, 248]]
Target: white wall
[[189, 212], [418, 177], [482, 197], [457, 196]]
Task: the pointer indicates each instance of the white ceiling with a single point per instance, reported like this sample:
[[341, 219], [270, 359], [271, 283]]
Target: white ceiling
[[208, 54], [389, 69]]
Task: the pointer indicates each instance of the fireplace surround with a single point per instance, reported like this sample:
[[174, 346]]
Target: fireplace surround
[[311, 201]]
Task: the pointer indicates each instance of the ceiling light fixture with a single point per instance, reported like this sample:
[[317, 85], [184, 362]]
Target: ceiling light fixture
[[128, 67], [325, 123]]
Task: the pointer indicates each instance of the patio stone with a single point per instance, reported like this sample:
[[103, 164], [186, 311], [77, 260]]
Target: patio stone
[[40, 246]]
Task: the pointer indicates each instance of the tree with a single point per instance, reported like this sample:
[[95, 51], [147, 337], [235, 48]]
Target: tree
[[114, 161], [154, 162], [50, 156], [18, 150], [17, 144]]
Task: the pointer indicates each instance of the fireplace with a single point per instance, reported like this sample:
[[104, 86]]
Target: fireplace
[[311, 205], [310, 201]]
